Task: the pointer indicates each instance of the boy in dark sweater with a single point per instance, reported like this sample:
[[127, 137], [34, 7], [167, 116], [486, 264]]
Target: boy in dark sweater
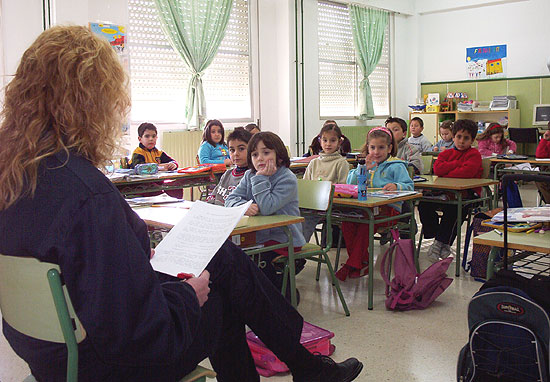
[[238, 143], [462, 161]]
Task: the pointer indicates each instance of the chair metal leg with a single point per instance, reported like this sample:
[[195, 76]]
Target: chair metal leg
[[336, 283], [337, 259]]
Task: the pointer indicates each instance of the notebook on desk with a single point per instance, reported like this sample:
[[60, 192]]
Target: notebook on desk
[[512, 156]]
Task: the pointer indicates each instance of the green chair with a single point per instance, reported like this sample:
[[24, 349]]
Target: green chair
[[315, 198], [28, 287], [427, 162]]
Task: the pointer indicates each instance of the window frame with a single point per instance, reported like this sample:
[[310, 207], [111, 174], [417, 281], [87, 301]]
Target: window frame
[[357, 71], [253, 76]]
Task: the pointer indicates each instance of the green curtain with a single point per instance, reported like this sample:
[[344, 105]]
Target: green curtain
[[195, 29], [368, 26]]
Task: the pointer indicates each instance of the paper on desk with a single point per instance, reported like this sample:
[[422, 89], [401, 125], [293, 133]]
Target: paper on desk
[[192, 243]]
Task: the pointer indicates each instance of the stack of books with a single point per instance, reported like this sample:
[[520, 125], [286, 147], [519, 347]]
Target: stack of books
[[504, 103]]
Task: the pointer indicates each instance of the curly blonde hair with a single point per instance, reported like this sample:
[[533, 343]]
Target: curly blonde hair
[[69, 93]]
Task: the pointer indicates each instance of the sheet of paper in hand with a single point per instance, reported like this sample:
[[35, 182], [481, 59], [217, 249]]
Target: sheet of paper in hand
[[192, 243]]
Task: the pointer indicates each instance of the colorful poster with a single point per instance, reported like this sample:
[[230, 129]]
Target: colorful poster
[[486, 62], [115, 34]]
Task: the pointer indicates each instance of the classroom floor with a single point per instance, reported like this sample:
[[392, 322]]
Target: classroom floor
[[393, 346]]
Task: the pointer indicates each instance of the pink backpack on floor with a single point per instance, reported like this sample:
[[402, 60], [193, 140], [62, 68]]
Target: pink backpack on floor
[[409, 289], [314, 339]]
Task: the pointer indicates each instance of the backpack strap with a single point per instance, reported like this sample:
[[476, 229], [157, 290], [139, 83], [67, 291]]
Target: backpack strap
[[384, 270]]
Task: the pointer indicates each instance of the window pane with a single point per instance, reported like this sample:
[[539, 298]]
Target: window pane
[[339, 74], [159, 77]]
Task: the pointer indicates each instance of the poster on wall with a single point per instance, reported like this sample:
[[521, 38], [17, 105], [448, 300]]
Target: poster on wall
[[116, 35], [486, 62]]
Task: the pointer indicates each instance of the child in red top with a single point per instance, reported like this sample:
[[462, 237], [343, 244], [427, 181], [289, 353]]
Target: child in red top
[[543, 151], [462, 161], [492, 142]]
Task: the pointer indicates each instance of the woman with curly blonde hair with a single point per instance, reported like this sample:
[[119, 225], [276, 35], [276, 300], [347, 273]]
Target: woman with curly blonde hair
[[63, 111], [63, 97]]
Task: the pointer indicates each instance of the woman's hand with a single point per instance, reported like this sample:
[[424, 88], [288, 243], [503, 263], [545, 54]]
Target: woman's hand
[[200, 286], [152, 253], [269, 169], [252, 210], [390, 187]]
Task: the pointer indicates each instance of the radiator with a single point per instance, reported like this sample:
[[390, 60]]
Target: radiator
[[357, 135], [182, 146]]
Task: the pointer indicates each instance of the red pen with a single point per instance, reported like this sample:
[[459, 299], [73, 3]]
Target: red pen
[[185, 276]]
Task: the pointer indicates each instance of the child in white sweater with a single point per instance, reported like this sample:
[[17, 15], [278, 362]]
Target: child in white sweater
[[417, 139], [330, 165]]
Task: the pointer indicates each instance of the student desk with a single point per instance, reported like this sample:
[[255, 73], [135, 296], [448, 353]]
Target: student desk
[[431, 153], [166, 216], [132, 185], [455, 186], [500, 169], [369, 206], [534, 242]]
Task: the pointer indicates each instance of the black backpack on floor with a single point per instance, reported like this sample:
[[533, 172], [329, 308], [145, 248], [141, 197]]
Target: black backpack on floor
[[509, 328]]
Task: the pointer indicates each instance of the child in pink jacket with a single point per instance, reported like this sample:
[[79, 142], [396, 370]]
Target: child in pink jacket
[[492, 141]]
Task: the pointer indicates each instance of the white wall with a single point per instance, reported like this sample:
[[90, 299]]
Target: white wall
[[445, 34]]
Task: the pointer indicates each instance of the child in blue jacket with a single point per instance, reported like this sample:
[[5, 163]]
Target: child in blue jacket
[[274, 190], [386, 172], [213, 148]]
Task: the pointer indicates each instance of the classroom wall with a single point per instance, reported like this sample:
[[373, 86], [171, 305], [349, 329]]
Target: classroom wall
[[445, 33]]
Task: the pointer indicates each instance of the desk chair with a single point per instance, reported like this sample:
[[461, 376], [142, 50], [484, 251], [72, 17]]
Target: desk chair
[[315, 198], [524, 135], [29, 286], [427, 162]]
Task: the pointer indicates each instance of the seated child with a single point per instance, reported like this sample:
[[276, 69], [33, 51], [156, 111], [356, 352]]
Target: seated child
[[238, 142], [387, 172], [345, 147], [492, 142], [146, 152], [274, 190], [213, 148], [417, 139], [252, 128], [543, 151], [330, 165], [404, 150], [462, 161], [446, 141]]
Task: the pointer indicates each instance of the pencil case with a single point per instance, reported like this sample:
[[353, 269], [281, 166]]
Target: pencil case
[[146, 168]]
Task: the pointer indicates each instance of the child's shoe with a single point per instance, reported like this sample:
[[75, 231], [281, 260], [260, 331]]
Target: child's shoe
[[343, 273], [356, 273], [435, 251], [445, 251]]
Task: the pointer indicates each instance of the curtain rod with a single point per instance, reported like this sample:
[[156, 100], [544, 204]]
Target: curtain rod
[[343, 2]]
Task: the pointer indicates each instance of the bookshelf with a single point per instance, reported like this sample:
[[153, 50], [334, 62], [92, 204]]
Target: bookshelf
[[433, 119]]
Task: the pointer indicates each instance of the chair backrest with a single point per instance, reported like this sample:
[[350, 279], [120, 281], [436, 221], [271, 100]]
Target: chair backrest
[[427, 162], [26, 299], [314, 194], [524, 134], [34, 302]]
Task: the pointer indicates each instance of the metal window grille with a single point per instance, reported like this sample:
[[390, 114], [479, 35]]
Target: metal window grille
[[339, 74], [159, 77]]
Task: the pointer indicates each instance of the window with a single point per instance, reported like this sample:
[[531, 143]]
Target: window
[[159, 77], [339, 74]]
